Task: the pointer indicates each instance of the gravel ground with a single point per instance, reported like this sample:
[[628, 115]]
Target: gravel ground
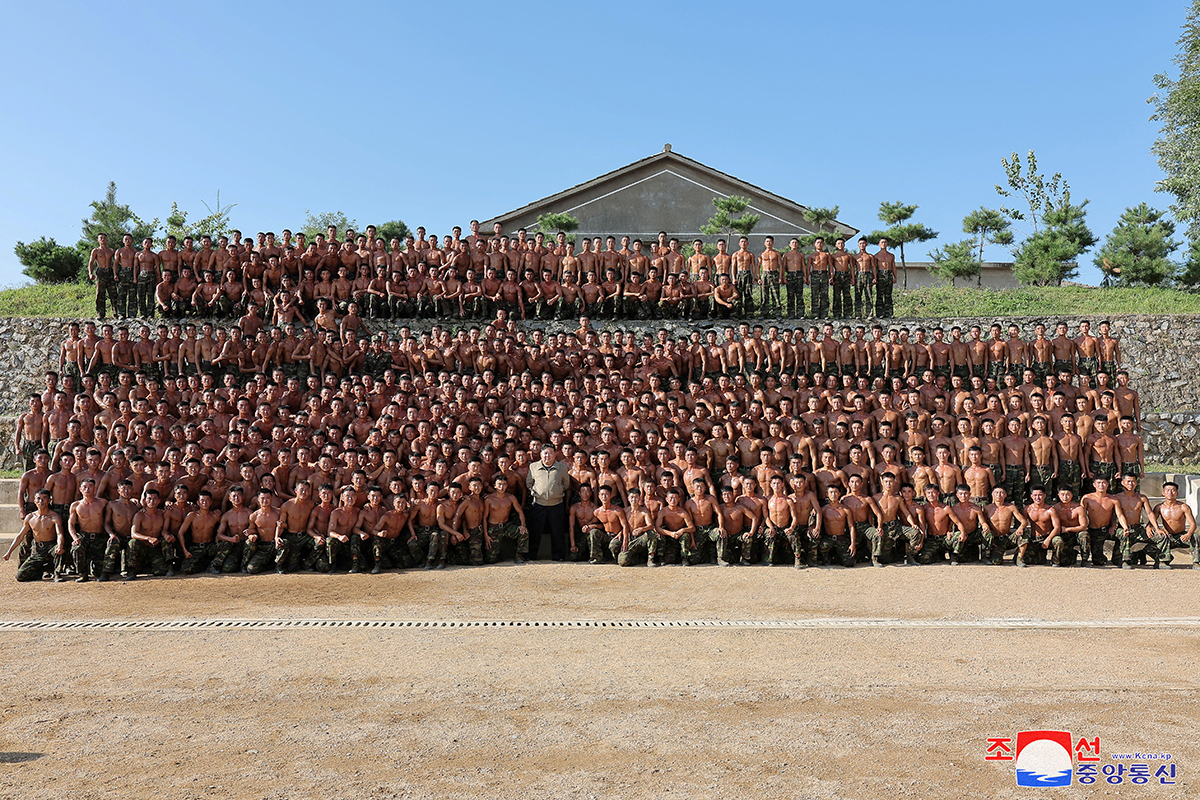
[[828, 713]]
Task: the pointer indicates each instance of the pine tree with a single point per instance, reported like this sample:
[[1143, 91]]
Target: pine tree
[[991, 227], [900, 231], [955, 260], [1139, 248]]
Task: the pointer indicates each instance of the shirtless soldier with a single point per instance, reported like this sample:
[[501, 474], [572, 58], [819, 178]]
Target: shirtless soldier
[[148, 544], [102, 269], [898, 525], [49, 541], [673, 529], [292, 536], [1045, 531], [1178, 522], [613, 537], [200, 525], [1134, 505], [837, 529], [1104, 514], [86, 527], [1000, 536], [780, 520], [501, 508], [390, 549], [641, 532], [734, 522]]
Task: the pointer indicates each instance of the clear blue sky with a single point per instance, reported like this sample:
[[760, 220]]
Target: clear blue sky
[[436, 113]]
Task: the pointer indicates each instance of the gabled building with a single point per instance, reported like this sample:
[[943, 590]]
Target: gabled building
[[667, 192]]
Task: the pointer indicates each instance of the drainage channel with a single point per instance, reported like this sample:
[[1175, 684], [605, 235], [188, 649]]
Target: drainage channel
[[575, 624]]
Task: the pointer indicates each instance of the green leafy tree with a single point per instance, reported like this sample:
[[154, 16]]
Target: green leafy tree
[[1029, 185], [115, 219], [1190, 276], [396, 229], [216, 224], [319, 223], [823, 220], [1060, 232], [901, 230], [724, 223], [1138, 251], [1177, 108], [46, 261], [990, 227], [955, 260], [551, 224]]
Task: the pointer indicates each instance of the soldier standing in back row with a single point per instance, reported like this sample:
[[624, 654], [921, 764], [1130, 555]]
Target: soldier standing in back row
[[818, 279], [864, 281], [843, 272], [885, 276]]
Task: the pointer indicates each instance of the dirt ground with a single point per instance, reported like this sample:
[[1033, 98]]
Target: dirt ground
[[582, 713]]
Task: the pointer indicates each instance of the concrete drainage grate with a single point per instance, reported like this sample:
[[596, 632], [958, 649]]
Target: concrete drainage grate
[[577, 624]]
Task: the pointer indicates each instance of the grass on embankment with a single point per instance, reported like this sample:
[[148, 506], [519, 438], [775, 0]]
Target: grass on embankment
[[74, 300]]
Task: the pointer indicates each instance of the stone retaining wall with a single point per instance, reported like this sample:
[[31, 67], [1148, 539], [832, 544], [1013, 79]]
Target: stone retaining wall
[[1161, 353]]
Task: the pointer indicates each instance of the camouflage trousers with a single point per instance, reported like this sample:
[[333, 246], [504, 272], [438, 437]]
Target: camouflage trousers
[[958, 544], [933, 549], [116, 555], [390, 553], [88, 554], [510, 530], [1035, 549], [201, 556], [227, 557], [336, 553], [262, 554], [864, 289], [600, 543], [818, 289], [156, 559], [1192, 544], [1014, 483], [883, 294], [836, 549], [41, 559], [884, 539], [665, 549], [470, 549], [745, 288], [905, 540], [1158, 547], [637, 549], [770, 294], [126, 293], [1044, 477], [106, 289], [146, 284], [842, 304], [795, 294], [729, 549], [583, 542], [430, 545], [995, 545], [775, 541], [1091, 541], [1070, 476]]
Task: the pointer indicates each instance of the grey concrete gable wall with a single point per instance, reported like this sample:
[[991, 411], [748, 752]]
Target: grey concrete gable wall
[[661, 195]]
